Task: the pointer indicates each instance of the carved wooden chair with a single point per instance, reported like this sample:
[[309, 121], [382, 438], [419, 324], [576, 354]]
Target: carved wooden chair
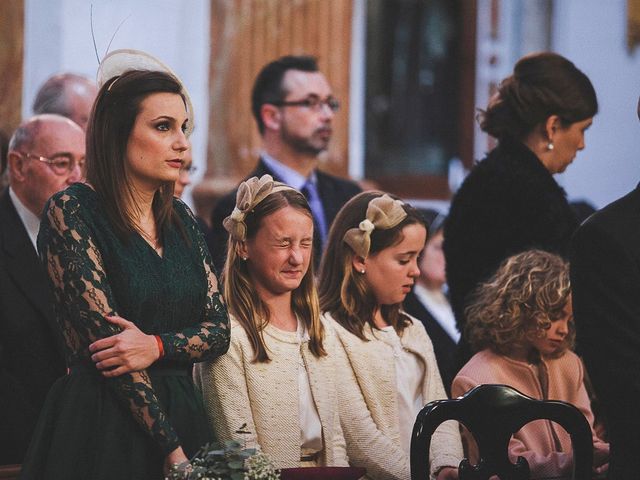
[[493, 413]]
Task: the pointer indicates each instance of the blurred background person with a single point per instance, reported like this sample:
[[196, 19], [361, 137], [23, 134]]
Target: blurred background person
[[184, 180], [45, 155], [293, 106], [67, 94], [428, 301], [4, 148], [510, 201]]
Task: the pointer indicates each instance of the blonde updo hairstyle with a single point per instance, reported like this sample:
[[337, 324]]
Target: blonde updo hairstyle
[[518, 303]]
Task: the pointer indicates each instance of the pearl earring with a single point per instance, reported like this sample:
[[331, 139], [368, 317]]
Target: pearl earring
[[362, 271], [244, 258], [550, 146]]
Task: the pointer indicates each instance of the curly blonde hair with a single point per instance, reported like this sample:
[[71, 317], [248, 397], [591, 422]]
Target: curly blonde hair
[[528, 292]]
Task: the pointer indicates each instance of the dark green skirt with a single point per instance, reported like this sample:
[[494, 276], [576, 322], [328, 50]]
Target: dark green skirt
[[85, 433]]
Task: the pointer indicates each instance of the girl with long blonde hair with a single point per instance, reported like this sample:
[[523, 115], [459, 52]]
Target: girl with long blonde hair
[[277, 379]]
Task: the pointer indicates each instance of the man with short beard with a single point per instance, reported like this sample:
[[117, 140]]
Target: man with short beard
[[294, 106]]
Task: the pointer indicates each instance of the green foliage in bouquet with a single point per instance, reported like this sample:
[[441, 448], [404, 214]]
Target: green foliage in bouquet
[[230, 461]]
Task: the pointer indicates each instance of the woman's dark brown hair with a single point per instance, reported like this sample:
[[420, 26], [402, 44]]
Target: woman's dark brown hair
[[345, 293], [542, 84], [110, 124]]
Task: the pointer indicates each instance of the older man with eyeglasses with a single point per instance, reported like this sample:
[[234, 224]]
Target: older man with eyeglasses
[[46, 154], [293, 105]]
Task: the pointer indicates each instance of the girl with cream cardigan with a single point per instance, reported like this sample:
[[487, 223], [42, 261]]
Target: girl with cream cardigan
[[520, 323], [389, 370], [277, 378]]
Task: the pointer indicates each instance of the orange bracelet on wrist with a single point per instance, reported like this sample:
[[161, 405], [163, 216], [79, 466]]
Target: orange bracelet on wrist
[[160, 346]]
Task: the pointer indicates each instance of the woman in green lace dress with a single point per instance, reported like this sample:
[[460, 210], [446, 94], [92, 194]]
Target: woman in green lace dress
[[121, 247]]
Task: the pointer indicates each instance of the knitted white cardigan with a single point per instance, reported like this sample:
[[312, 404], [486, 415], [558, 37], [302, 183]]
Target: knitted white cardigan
[[264, 396], [369, 407]]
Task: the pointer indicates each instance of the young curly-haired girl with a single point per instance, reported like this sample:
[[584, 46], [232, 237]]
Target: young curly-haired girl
[[520, 323]]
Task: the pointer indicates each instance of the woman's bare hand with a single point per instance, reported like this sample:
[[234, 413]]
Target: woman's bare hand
[[447, 473], [175, 458], [128, 351]]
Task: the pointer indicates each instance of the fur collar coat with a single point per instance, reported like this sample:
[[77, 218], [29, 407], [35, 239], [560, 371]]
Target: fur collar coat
[[509, 203]]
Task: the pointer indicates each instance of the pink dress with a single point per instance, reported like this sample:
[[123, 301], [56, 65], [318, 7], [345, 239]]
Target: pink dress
[[545, 445]]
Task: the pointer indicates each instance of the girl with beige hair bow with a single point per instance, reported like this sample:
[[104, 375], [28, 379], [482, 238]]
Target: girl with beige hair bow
[[277, 378], [388, 366]]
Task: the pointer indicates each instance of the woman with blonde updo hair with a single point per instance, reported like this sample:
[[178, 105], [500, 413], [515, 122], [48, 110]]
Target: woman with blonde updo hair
[[510, 201], [277, 380], [520, 323]]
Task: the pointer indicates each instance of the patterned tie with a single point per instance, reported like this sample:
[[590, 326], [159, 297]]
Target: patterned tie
[[310, 191]]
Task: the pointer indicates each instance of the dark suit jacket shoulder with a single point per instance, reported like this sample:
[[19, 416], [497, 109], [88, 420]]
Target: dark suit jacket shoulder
[[605, 278], [30, 350], [334, 192], [443, 345]]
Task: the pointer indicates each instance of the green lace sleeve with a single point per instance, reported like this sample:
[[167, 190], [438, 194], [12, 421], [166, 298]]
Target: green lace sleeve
[[83, 297], [209, 338]]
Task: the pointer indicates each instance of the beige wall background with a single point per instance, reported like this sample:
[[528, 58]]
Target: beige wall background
[[11, 60]]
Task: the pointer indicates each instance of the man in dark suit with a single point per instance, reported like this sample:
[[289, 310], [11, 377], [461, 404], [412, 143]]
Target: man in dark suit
[[293, 105], [46, 153], [605, 277]]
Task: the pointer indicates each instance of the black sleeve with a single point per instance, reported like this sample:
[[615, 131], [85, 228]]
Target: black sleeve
[[605, 277]]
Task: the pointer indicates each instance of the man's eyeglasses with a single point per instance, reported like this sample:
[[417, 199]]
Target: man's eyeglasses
[[61, 164], [312, 103]]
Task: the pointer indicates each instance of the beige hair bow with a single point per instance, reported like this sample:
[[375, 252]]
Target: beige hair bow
[[383, 213], [250, 193]]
